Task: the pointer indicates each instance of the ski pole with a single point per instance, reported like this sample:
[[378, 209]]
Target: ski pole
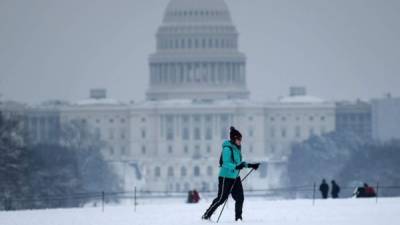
[[244, 178]]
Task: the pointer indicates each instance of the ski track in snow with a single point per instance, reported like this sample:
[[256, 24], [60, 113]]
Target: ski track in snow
[[255, 211]]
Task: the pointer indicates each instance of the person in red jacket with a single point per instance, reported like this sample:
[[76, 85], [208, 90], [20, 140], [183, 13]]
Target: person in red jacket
[[196, 196]]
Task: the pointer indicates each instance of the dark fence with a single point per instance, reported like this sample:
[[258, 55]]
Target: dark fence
[[101, 199]]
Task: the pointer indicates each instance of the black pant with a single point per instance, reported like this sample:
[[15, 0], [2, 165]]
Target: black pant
[[225, 185]]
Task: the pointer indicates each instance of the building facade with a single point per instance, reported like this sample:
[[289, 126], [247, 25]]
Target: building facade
[[197, 89], [386, 118], [354, 117]]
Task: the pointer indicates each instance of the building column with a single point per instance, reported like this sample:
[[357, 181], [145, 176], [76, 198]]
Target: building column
[[181, 73], [241, 72]]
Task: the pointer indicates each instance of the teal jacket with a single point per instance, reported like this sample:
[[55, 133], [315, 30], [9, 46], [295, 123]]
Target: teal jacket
[[228, 166]]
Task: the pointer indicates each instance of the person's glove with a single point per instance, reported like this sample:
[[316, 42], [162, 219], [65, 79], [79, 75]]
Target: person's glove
[[240, 166], [254, 165]]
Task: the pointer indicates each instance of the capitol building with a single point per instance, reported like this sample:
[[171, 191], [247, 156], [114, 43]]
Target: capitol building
[[197, 89]]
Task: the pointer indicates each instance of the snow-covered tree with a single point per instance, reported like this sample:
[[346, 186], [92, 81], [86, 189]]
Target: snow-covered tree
[[13, 158], [376, 163], [321, 157], [95, 173]]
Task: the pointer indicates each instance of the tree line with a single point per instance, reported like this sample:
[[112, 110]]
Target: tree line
[[348, 159], [33, 174]]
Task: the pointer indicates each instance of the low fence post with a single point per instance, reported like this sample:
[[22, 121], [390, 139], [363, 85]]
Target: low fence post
[[377, 192], [313, 196], [134, 199], [102, 201]]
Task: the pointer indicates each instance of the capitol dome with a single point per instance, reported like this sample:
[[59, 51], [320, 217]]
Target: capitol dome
[[197, 54], [197, 11]]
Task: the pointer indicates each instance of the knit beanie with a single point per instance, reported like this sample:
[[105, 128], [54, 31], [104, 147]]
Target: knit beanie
[[235, 134]]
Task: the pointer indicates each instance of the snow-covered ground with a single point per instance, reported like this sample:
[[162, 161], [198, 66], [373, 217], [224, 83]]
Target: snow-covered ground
[[256, 211]]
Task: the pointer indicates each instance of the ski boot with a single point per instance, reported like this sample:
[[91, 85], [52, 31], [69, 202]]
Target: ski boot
[[206, 217]]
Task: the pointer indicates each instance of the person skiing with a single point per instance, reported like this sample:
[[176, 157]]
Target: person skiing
[[324, 189], [229, 181], [335, 189]]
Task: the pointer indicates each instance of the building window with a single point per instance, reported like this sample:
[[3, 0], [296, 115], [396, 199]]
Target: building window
[[111, 120], [197, 153], [123, 150], [196, 118], [157, 172], [122, 120], [111, 151], [251, 132], [322, 118], [143, 149], [170, 133], [208, 133], [311, 118], [197, 135], [272, 119], [196, 171], [183, 43], [190, 43], [185, 149], [283, 118], [273, 148], [183, 171], [185, 133], [170, 171], [283, 132], [312, 131], [111, 133], [170, 149], [298, 131], [143, 133], [123, 134], [98, 120], [208, 149], [170, 127], [97, 132]]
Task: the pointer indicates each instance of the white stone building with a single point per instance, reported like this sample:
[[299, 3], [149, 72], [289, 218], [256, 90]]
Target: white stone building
[[197, 90], [386, 118]]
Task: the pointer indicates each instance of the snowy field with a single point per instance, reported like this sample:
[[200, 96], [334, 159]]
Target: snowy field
[[256, 211]]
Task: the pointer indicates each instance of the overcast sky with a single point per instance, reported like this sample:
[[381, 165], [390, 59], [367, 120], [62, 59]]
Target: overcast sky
[[339, 49]]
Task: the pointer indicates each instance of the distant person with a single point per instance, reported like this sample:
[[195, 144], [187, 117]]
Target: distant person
[[369, 191], [195, 196], [335, 189], [365, 192], [324, 189], [190, 197]]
